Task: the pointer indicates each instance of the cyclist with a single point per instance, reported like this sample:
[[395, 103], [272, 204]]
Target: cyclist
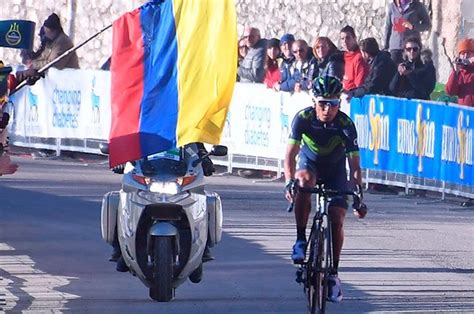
[[320, 140]]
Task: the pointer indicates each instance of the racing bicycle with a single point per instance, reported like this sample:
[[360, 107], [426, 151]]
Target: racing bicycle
[[314, 272]]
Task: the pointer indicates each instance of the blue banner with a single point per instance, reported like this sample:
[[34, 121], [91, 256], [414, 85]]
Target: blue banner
[[415, 137], [18, 34]]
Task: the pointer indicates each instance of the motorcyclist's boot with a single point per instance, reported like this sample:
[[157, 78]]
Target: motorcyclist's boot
[[121, 265], [116, 252], [207, 256]]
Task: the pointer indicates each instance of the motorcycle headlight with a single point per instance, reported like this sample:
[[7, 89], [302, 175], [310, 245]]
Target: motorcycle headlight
[[164, 187]]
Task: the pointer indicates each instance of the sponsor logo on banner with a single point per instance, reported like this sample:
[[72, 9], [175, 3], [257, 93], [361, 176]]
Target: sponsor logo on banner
[[95, 101], [67, 103], [257, 125], [457, 143], [284, 125], [32, 115], [416, 137], [13, 36], [373, 129]]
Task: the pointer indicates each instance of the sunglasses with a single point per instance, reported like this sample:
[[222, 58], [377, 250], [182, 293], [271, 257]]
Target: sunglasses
[[324, 103], [415, 49], [241, 47]]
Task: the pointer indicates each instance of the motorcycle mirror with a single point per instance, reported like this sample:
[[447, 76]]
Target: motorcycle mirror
[[219, 150], [104, 148]]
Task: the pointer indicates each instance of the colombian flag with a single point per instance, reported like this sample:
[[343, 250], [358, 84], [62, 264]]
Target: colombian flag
[[173, 73]]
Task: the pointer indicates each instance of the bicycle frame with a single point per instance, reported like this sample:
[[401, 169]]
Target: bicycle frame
[[314, 272]]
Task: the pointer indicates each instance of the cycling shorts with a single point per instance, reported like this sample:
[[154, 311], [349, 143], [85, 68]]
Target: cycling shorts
[[333, 176]]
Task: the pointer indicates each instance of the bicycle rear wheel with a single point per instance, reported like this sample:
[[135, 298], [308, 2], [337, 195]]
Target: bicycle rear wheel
[[316, 280]]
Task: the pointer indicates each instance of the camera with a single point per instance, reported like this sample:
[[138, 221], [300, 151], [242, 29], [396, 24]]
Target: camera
[[462, 62]]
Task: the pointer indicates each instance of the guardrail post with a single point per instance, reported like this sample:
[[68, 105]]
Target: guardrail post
[[58, 147]]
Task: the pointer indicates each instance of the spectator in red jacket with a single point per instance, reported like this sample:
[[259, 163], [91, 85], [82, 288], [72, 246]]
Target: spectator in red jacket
[[356, 68], [461, 80], [272, 70]]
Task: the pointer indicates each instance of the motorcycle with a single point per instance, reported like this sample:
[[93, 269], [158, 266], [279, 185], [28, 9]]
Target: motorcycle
[[163, 218]]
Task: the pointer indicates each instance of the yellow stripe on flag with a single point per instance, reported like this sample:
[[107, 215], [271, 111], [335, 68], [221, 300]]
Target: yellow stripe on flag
[[206, 32]]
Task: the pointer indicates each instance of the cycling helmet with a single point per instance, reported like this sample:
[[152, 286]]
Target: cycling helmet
[[326, 86]]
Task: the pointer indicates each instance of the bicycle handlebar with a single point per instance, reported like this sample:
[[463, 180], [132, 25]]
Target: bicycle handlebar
[[321, 190]]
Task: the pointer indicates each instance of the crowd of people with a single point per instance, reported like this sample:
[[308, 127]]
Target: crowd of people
[[400, 68]]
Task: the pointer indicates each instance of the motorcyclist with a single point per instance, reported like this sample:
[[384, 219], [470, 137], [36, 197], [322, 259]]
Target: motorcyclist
[[323, 137], [208, 169]]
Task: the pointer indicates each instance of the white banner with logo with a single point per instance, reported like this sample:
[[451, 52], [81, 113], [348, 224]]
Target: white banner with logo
[[66, 104]]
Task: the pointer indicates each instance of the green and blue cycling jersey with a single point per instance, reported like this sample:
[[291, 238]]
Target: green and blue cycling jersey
[[324, 142]]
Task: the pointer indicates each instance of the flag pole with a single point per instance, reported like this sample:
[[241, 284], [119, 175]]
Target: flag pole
[[57, 59]]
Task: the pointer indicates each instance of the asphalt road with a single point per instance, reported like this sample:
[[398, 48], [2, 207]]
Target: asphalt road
[[408, 255]]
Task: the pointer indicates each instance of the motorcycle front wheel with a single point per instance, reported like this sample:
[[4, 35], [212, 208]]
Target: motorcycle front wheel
[[162, 286]]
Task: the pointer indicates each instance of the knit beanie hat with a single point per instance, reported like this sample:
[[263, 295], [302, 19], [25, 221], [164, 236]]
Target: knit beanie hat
[[53, 22], [466, 45]]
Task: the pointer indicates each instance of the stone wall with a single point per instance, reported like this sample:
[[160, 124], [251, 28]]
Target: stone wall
[[307, 19]]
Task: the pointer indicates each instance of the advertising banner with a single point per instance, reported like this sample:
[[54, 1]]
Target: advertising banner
[[415, 137]]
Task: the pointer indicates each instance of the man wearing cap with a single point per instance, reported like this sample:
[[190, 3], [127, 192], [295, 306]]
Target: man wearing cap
[[252, 67], [56, 44], [286, 56], [461, 80]]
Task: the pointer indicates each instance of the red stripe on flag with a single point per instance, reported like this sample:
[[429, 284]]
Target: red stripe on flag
[[127, 71]]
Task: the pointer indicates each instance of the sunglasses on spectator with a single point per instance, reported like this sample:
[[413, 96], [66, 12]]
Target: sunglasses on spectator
[[324, 103], [298, 50], [240, 47], [414, 49]]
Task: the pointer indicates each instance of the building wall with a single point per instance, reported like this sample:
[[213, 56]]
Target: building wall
[[307, 19]]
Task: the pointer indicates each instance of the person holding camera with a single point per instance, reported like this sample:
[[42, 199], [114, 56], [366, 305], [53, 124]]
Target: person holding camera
[[413, 79], [461, 80]]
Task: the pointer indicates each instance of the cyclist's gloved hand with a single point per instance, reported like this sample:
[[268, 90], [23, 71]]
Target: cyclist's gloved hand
[[289, 188], [360, 209]]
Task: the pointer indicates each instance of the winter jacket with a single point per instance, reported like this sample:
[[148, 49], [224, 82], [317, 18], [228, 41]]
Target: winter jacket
[[54, 49], [252, 67], [462, 85], [272, 76], [395, 33], [418, 84], [355, 70], [296, 73], [382, 70], [332, 65]]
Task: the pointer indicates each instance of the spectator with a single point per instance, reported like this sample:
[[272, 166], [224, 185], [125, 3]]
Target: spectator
[[328, 60], [413, 78], [243, 49], [252, 67], [382, 70], [56, 42], [461, 80], [297, 76], [6, 166], [404, 19], [355, 67], [286, 57], [272, 71]]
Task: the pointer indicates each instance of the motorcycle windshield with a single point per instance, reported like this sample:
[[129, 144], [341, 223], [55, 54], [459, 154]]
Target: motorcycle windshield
[[168, 163]]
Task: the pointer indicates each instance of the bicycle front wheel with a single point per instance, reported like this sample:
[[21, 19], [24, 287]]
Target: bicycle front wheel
[[316, 275]]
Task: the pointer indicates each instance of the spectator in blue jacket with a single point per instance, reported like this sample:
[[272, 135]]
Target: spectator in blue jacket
[[382, 70], [286, 56], [413, 79], [297, 76]]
